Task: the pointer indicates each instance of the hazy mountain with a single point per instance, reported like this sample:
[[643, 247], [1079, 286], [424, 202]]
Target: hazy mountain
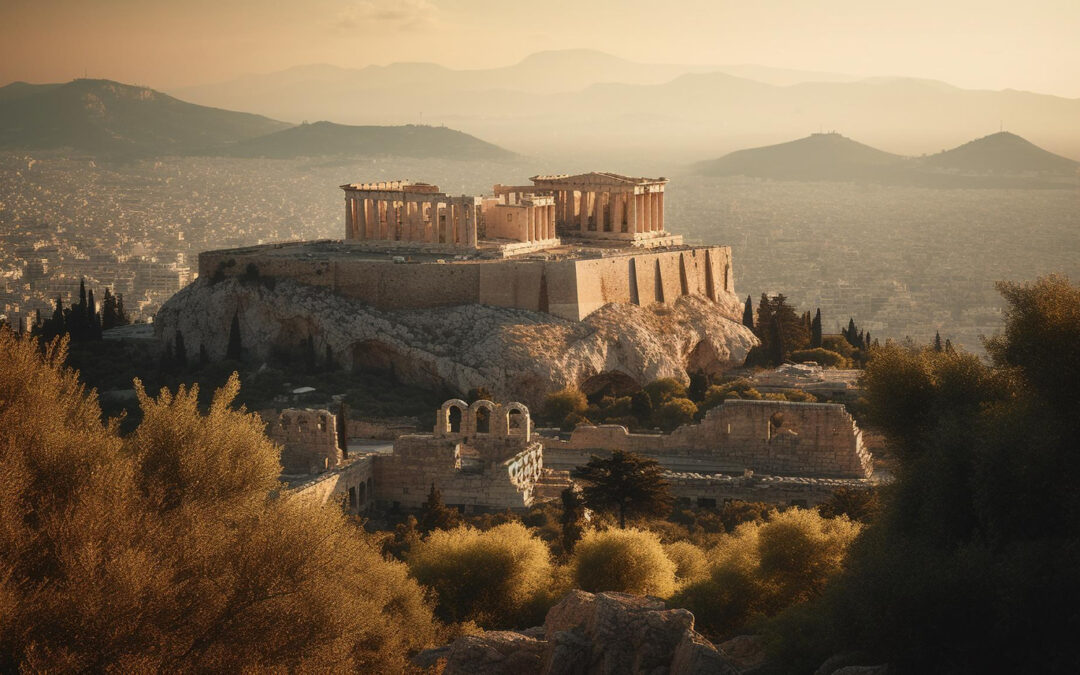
[[1002, 152], [817, 157], [999, 160], [101, 116], [325, 138], [592, 105]]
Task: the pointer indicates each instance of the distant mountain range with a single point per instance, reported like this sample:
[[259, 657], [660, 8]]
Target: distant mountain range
[[326, 138], [106, 118], [590, 104], [995, 160]]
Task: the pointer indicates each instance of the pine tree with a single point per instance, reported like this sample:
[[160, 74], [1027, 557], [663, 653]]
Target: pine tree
[[937, 342], [815, 330], [626, 484], [434, 515], [748, 314], [852, 333], [234, 351]]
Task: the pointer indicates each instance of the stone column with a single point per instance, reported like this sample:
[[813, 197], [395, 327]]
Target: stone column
[[583, 215], [361, 211], [348, 217], [631, 213], [472, 234], [660, 211], [616, 212], [551, 222], [600, 219], [530, 223]]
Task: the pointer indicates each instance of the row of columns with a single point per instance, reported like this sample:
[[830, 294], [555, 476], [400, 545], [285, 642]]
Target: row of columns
[[605, 211], [441, 220], [541, 222]]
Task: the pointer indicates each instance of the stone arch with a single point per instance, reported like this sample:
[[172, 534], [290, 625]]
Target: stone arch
[[518, 422], [483, 422], [443, 421]]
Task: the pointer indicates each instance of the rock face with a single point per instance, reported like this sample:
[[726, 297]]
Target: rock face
[[517, 354], [587, 634]]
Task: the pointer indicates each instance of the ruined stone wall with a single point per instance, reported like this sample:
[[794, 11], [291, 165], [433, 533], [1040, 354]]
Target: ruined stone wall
[[712, 490], [465, 477], [769, 437], [572, 288], [352, 485], [308, 438]]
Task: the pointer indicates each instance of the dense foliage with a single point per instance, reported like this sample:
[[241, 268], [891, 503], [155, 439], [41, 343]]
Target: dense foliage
[[971, 566], [165, 550], [628, 561]]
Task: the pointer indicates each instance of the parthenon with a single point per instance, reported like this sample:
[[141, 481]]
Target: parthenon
[[594, 207], [411, 212]]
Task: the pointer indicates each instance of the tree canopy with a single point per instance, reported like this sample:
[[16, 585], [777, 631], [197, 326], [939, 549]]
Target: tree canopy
[[624, 483], [166, 550]]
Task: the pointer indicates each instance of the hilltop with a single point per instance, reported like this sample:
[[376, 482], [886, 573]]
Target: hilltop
[[327, 138], [828, 156], [106, 117], [999, 160], [1002, 152]]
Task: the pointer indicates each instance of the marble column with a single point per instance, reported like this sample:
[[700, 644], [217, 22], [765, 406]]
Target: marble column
[[583, 212], [631, 213], [530, 223], [601, 217], [472, 234], [660, 211], [551, 222]]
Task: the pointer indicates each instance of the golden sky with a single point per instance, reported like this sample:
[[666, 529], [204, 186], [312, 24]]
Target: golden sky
[[1032, 45]]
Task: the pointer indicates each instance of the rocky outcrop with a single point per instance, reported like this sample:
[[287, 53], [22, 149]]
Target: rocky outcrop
[[587, 634], [517, 354]]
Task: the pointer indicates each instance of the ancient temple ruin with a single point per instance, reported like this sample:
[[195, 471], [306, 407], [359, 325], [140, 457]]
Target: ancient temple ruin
[[480, 456]]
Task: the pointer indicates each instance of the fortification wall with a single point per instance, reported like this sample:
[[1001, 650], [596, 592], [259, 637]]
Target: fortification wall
[[769, 437], [571, 288]]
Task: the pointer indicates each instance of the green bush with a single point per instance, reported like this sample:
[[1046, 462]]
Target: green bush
[[560, 404], [628, 561], [763, 568], [663, 390], [494, 578], [823, 357], [675, 413], [690, 562]]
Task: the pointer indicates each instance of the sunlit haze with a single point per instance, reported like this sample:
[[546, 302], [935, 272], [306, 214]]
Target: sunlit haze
[[991, 44]]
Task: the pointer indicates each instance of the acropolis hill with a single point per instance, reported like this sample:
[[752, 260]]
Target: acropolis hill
[[573, 280]]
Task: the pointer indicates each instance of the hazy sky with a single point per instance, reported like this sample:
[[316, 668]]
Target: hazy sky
[[1032, 45]]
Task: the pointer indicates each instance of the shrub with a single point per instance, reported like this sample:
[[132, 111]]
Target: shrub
[[663, 390], [690, 563], [823, 357], [165, 552], [675, 413], [762, 568], [560, 404], [629, 561], [492, 577]]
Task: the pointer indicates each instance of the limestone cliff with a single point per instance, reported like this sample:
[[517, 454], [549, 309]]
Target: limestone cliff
[[517, 354]]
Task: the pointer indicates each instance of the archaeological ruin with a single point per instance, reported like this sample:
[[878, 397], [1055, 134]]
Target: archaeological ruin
[[487, 456], [480, 456]]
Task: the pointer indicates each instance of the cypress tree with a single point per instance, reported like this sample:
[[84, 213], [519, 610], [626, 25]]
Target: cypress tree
[[121, 316], [181, 351], [573, 513], [815, 330], [235, 349], [434, 515], [748, 314], [937, 342]]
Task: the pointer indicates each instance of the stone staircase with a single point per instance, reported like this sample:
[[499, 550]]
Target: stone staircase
[[551, 484]]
